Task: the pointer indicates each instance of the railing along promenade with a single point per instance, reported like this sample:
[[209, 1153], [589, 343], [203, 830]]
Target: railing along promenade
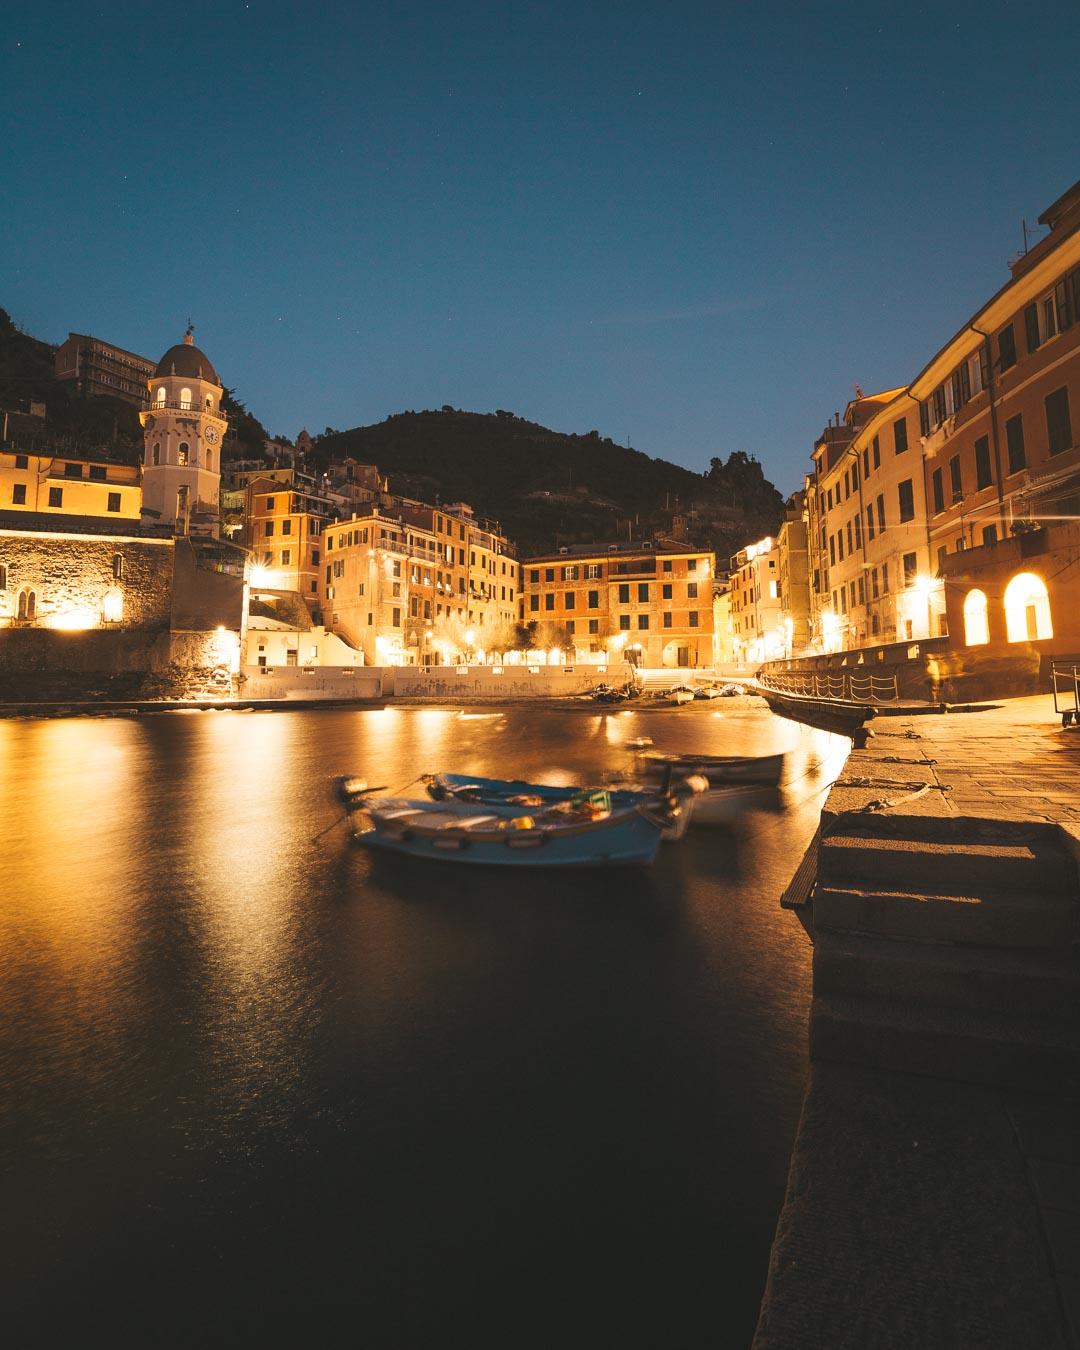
[[852, 686]]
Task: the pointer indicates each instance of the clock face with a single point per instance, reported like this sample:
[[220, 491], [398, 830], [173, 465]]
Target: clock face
[[210, 435]]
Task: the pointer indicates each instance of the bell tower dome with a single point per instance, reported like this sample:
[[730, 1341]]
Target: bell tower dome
[[183, 430]]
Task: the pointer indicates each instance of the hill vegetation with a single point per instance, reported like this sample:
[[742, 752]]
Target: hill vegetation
[[543, 487], [546, 488]]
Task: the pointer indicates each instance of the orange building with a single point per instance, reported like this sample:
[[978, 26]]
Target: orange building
[[650, 601]]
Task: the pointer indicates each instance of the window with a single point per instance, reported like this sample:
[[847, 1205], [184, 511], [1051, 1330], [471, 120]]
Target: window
[[773, 590], [114, 501], [885, 577], [900, 435], [569, 625], [185, 398], [268, 528], [642, 621], [1014, 439], [286, 557], [666, 617], [1027, 609], [939, 410], [592, 599], [549, 601], [881, 513], [72, 470], [858, 531], [665, 591], [942, 554], [976, 628], [624, 593], [395, 617], [691, 590], [873, 584], [907, 501], [183, 452], [286, 527], [955, 481], [1058, 426], [594, 625], [667, 564], [849, 547], [869, 522], [643, 592], [911, 568], [22, 461], [938, 489], [865, 464], [877, 452], [549, 572], [989, 535], [983, 477], [1006, 347], [534, 574], [1031, 327], [624, 622], [691, 566], [832, 550], [693, 618], [26, 606], [18, 494], [569, 600], [570, 574], [56, 496], [534, 603], [847, 484]]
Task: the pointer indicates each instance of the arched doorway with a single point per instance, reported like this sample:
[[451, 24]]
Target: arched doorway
[[1027, 609], [976, 626]]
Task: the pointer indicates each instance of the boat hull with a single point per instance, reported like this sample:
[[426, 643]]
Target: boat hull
[[455, 832]]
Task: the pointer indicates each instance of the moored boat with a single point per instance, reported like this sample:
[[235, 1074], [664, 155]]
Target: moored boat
[[562, 834], [654, 766], [673, 807]]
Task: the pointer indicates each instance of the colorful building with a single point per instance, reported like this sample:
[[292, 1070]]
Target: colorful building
[[649, 601]]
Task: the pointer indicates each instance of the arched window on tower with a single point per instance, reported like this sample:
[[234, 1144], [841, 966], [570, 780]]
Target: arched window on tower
[[185, 398], [976, 629], [209, 404], [159, 398], [182, 453], [157, 452], [26, 606], [1027, 609]]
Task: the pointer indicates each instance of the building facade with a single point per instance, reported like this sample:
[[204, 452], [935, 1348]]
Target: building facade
[[53, 485], [757, 621], [651, 603], [97, 367]]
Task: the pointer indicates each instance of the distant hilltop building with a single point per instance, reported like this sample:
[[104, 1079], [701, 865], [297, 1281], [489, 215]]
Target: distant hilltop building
[[97, 367]]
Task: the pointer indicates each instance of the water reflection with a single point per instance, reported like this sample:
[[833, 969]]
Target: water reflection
[[304, 1070]]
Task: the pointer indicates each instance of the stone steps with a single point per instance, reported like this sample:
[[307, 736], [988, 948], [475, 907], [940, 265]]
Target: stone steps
[[1036, 865], [991, 918], [1028, 981], [989, 1048]]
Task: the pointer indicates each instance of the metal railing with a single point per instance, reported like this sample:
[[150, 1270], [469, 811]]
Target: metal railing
[[1066, 678], [852, 686]]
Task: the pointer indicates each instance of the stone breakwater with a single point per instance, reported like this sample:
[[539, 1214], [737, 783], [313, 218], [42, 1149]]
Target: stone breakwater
[[934, 1191]]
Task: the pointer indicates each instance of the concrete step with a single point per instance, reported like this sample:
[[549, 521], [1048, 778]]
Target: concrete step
[[934, 828], [994, 918], [994, 1050], [1026, 981], [1038, 864]]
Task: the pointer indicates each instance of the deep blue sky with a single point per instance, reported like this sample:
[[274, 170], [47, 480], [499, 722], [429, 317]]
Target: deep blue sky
[[695, 226]]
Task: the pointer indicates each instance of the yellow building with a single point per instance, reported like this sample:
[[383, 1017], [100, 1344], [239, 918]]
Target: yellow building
[[758, 632], [55, 485], [419, 585], [651, 602], [284, 523]]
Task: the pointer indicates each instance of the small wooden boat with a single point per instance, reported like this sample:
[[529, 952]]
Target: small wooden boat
[[720, 770], [673, 808], [562, 834], [732, 783]]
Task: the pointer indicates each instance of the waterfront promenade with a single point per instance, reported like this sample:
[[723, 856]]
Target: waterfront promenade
[[934, 1192]]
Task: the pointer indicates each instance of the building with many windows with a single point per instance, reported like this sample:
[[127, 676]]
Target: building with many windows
[[757, 620], [55, 485], [97, 367], [651, 602]]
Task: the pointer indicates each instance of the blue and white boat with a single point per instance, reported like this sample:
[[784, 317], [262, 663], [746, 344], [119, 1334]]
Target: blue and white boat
[[512, 796], [562, 834]]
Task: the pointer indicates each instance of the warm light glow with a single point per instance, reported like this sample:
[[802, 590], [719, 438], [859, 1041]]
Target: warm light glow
[[259, 575], [1027, 609], [75, 619], [924, 585], [976, 625], [830, 631], [112, 607]]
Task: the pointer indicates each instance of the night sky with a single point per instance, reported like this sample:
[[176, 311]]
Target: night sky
[[695, 226]]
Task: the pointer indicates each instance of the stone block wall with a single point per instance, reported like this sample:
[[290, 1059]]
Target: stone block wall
[[69, 577]]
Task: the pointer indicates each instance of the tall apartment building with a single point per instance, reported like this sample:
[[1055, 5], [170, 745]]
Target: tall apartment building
[[97, 367], [285, 516], [54, 485], [757, 621], [419, 585], [792, 547], [650, 601]]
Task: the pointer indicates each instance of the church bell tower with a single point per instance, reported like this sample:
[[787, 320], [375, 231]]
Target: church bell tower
[[183, 430]]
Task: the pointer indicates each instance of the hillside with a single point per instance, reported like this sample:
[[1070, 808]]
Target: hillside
[[546, 488]]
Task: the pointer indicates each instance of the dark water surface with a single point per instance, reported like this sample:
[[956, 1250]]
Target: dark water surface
[[258, 1089]]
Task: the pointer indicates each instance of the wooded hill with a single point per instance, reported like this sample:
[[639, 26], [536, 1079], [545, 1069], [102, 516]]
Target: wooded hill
[[546, 488], [543, 487]]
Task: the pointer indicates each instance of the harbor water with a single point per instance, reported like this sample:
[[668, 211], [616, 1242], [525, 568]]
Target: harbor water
[[264, 1087]]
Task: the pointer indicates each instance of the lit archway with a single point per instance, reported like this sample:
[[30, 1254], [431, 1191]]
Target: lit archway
[[112, 606], [976, 627], [1027, 609]]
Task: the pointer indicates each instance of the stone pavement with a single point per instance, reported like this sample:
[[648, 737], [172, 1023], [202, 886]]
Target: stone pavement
[[923, 1211]]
